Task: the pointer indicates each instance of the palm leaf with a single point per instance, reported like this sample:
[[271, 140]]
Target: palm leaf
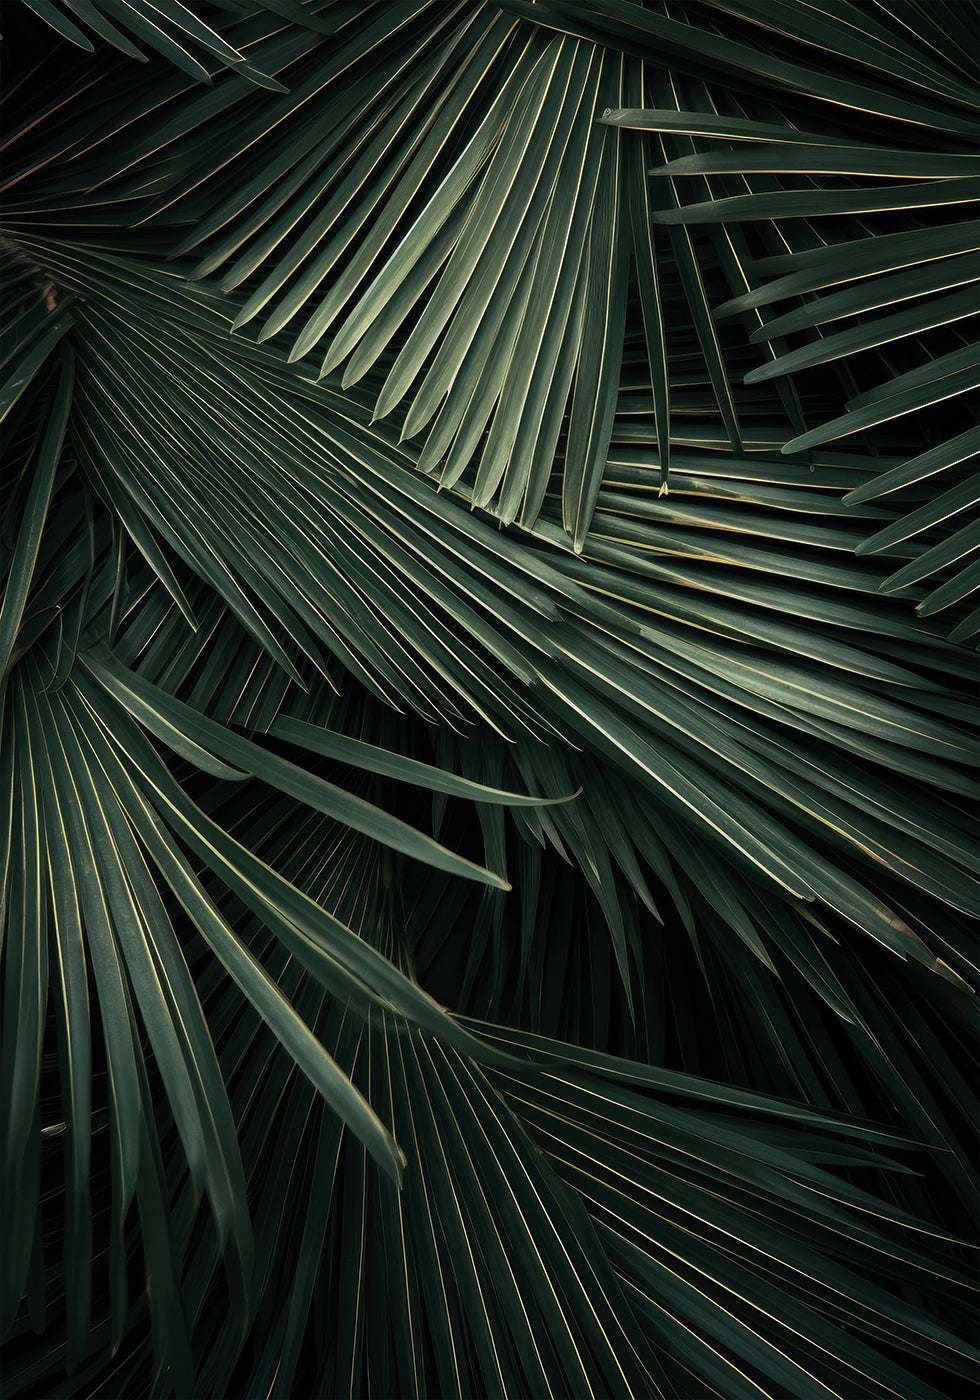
[[395, 776], [157, 25]]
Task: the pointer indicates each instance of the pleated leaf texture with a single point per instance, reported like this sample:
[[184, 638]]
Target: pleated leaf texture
[[487, 660]]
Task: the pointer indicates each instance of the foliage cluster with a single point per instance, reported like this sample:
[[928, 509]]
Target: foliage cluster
[[490, 571]]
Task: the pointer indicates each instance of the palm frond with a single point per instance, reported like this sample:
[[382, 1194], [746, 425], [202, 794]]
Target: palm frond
[[488, 543], [158, 26]]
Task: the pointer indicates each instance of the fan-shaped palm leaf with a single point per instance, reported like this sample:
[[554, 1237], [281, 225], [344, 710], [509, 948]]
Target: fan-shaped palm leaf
[[473, 704]]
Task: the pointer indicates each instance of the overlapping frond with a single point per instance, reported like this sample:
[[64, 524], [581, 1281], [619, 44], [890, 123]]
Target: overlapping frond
[[489, 543], [165, 27]]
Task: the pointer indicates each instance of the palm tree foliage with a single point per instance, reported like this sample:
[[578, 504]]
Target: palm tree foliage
[[491, 561]]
